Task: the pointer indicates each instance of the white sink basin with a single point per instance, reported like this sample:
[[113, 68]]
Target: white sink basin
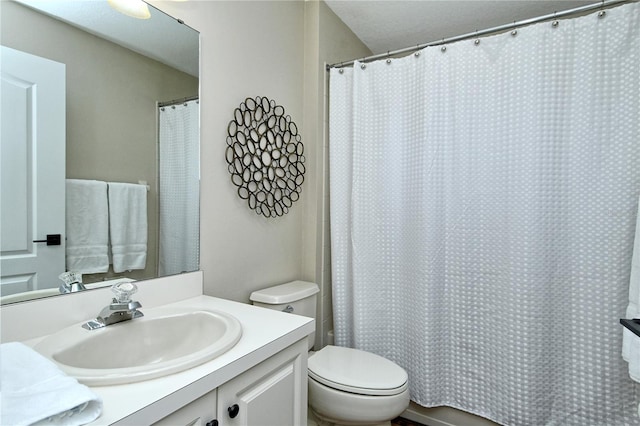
[[160, 343]]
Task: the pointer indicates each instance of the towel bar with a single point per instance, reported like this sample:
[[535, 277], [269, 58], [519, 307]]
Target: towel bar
[[632, 324], [144, 182]]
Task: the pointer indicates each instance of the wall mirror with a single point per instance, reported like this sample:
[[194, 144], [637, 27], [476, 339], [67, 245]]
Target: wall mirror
[[121, 75]]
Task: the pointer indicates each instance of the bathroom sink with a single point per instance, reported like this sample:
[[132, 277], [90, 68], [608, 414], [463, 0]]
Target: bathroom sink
[[160, 343]]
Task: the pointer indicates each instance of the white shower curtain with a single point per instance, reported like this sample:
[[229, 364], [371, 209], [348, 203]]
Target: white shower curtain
[[483, 200], [179, 159]]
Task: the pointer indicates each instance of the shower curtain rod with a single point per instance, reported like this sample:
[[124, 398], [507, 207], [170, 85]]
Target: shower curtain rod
[[475, 34], [177, 101]]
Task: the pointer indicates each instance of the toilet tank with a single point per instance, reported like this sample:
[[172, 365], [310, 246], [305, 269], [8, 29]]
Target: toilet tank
[[296, 297]]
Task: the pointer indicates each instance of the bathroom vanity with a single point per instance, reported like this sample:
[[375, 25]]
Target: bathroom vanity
[[270, 393], [260, 380]]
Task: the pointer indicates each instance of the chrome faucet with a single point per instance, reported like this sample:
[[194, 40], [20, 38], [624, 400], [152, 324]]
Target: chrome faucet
[[71, 282], [122, 308]]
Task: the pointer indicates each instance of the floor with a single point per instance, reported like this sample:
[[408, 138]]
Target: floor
[[399, 421]]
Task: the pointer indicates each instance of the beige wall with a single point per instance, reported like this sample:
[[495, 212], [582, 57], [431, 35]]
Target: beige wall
[[111, 104], [248, 49], [275, 49]]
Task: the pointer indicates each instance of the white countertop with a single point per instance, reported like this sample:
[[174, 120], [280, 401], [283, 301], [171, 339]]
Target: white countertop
[[265, 332]]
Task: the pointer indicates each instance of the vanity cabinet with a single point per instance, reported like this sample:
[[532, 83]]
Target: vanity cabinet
[[274, 392]]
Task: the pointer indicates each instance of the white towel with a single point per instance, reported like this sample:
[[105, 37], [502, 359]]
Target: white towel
[[128, 225], [87, 221], [631, 342], [35, 391]]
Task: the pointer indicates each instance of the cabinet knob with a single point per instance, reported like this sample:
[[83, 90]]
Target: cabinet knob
[[212, 423], [233, 410]]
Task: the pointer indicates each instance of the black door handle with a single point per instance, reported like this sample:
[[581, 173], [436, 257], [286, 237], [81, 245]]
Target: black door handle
[[233, 410], [52, 240], [212, 423]]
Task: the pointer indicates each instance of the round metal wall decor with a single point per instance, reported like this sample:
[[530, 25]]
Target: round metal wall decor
[[265, 156]]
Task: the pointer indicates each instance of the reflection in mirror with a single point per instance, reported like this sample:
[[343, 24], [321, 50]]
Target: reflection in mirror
[[120, 107]]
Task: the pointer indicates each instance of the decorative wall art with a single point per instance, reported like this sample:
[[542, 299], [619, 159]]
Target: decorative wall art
[[265, 156]]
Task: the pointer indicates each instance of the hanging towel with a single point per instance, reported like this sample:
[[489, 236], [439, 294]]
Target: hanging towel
[[631, 342], [36, 391], [87, 220], [128, 225]]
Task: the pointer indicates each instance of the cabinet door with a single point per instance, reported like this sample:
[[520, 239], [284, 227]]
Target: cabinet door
[[273, 393], [200, 412]]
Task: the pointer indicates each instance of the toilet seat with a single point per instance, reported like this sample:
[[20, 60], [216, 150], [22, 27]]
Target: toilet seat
[[356, 371]]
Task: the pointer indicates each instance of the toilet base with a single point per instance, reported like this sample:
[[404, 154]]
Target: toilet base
[[343, 408], [313, 419]]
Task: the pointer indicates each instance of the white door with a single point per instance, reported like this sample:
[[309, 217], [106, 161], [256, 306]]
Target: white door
[[32, 171]]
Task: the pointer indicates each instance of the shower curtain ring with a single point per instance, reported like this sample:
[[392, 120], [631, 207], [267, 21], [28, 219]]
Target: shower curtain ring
[[555, 22], [443, 48], [602, 13]]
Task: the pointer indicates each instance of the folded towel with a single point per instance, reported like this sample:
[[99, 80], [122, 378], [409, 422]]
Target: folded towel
[[128, 225], [87, 226], [631, 342], [35, 391]]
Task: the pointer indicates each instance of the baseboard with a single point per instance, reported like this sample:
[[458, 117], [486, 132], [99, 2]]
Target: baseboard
[[443, 416]]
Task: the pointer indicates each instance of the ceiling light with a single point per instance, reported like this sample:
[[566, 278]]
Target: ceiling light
[[135, 8]]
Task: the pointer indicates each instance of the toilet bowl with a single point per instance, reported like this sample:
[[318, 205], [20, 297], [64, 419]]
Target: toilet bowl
[[346, 386], [353, 387]]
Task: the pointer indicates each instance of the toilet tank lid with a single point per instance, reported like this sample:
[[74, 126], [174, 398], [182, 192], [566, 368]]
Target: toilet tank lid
[[285, 293]]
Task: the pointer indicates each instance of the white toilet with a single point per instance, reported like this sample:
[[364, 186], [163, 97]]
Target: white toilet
[[346, 386]]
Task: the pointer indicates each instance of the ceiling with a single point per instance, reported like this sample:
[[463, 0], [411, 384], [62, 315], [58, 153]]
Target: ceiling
[[391, 25], [161, 37], [382, 25]]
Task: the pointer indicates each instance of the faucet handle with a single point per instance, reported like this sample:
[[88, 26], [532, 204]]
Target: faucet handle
[[123, 291], [72, 282], [70, 277]]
